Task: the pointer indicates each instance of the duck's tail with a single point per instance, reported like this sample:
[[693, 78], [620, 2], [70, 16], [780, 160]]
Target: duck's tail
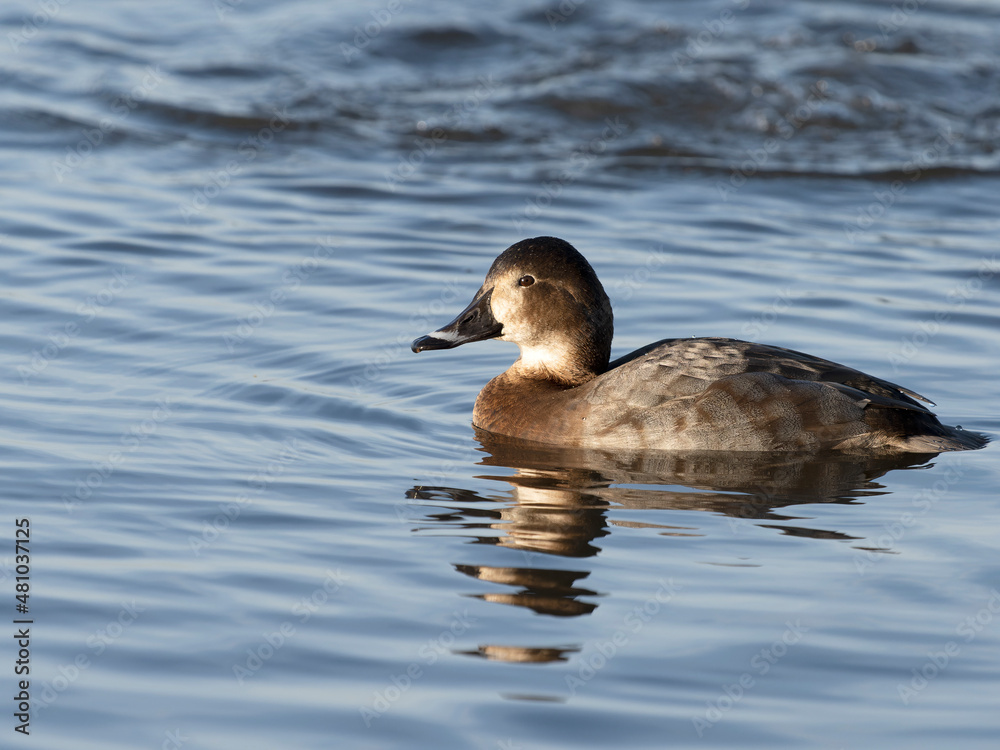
[[910, 428], [943, 438]]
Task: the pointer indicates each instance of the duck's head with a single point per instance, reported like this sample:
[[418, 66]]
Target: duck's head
[[544, 296]]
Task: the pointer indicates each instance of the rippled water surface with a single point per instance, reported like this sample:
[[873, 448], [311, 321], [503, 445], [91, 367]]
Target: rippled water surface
[[258, 520]]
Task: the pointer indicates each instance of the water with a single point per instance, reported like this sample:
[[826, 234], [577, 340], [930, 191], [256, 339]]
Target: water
[[258, 520]]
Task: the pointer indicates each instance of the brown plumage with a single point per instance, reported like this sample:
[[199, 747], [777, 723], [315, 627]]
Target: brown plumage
[[675, 394]]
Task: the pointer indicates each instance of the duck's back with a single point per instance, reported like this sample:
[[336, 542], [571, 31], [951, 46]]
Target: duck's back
[[724, 394]]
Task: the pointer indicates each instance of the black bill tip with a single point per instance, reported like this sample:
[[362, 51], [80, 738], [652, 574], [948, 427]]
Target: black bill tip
[[474, 323], [425, 343]]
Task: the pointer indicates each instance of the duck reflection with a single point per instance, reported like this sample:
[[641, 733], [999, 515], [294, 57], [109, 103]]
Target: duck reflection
[[522, 654], [559, 499], [547, 592]]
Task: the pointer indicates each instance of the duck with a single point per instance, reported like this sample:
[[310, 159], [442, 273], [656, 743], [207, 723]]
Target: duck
[[679, 394]]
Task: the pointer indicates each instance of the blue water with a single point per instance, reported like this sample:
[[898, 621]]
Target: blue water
[[258, 520]]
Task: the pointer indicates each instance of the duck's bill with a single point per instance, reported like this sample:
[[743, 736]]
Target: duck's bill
[[474, 323]]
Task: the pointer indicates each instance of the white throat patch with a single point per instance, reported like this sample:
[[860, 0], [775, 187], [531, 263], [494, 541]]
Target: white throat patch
[[553, 357]]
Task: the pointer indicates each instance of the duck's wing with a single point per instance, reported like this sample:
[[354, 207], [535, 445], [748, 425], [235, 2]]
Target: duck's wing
[[686, 367], [724, 394]]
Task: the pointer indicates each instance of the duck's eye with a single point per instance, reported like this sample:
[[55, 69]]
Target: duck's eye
[[526, 280]]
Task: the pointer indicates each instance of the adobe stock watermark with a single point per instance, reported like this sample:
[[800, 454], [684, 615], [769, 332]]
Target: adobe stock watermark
[[760, 664], [579, 161], [220, 179], [427, 317], [956, 298], [291, 279], [80, 153], [6, 569], [224, 7], [883, 200], [781, 304], [97, 643], [562, 12], [900, 16], [173, 739], [272, 642], [698, 44], [968, 629], [86, 311], [922, 503], [753, 506], [638, 277], [425, 146], [601, 653], [258, 482], [134, 437], [790, 124], [460, 455], [428, 654], [364, 34], [33, 24]]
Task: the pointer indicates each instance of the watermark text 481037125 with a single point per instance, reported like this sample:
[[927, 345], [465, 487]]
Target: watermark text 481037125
[[22, 625]]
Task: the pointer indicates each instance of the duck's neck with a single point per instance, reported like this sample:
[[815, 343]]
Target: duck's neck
[[559, 363]]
